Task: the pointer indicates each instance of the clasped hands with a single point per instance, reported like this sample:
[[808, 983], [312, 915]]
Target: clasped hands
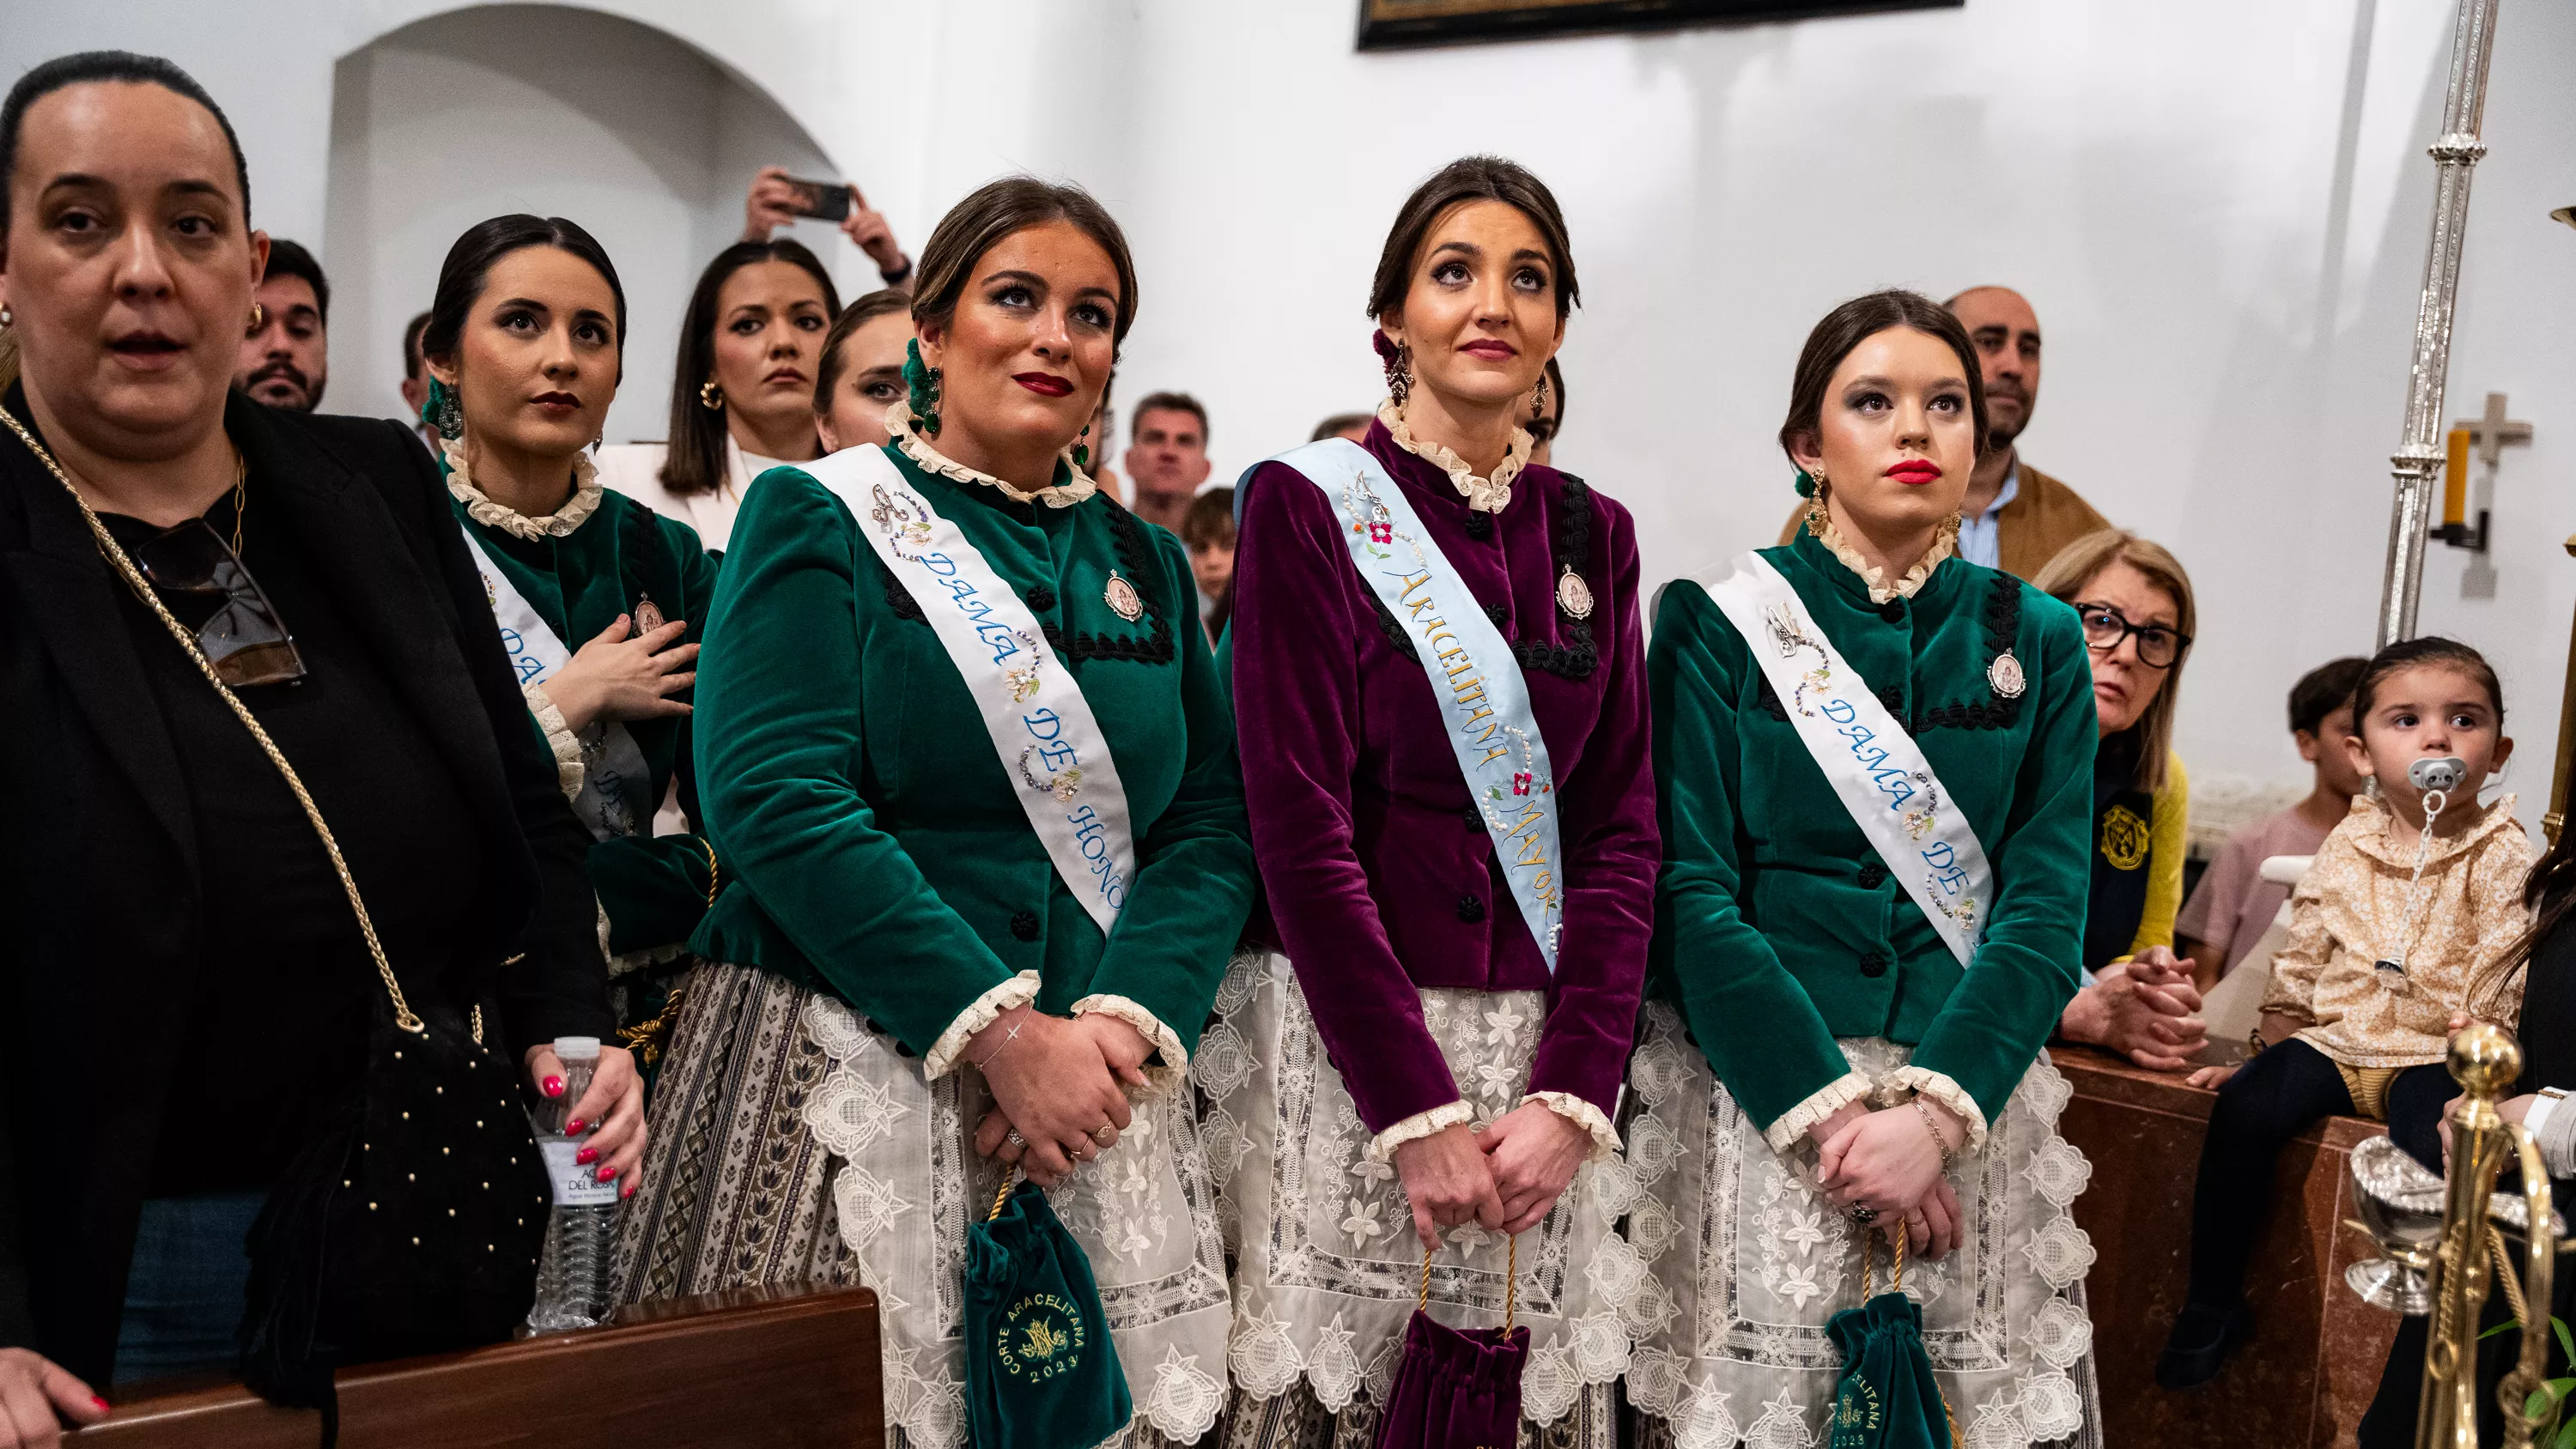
[[1504, 1176], [2146, 1009], [1887, 1161], [1059, 1088]]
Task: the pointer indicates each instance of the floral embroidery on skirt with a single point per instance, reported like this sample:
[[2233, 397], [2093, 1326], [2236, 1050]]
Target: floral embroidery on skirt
[[1749, 1260], [1328, 1266], [791, 1144]]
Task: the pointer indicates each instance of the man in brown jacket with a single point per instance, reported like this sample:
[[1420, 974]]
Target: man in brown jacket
[[2015, 517]]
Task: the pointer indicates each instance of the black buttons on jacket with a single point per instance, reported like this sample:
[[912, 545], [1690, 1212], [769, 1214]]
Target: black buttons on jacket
[[1874, 965], [1025, 926], [1480, 525], [1040, 597], [1893, 699], [1872, 876], [1893, 611], [1470, 909], [1475, 818], [1499, 614]]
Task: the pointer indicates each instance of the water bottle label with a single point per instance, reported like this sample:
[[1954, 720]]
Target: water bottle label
[[576, 1184]]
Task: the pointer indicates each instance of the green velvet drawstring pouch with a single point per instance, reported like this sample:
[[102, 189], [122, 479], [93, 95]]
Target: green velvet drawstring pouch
[[1040, 1369], [1887, 1397]]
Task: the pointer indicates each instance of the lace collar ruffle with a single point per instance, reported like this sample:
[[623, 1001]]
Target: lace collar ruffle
[[586, 495], [1874, 578], [2376, 835], [1483, 495], [1079, 485]]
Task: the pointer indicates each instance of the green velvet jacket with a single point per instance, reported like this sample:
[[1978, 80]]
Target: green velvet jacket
[[653, 888], [877, 843], [1778, 927]]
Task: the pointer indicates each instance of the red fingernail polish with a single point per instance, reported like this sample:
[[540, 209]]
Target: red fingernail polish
[[99, 1402], [573, 1127], [554, 1086], [586, 1156], [608, 1174], [629, 1192]]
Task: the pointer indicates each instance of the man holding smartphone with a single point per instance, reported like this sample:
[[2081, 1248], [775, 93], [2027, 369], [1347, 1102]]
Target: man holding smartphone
[[777, 199]]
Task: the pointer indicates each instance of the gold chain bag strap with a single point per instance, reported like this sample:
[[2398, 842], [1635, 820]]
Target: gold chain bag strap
[[411, 1221]]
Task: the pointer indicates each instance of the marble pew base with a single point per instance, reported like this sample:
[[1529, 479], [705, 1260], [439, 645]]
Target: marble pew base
[[2309, 1371]]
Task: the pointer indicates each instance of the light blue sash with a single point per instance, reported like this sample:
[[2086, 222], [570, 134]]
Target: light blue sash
[[1876, 770], [1041, 726], [1472, 672]]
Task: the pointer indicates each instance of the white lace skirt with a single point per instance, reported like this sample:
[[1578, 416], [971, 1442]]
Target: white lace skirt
[[1328, 1266], [1749, 1260], [792, 1144]]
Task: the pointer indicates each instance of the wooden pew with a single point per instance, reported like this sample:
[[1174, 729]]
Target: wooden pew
[[2315, 1358], [779, 1368]]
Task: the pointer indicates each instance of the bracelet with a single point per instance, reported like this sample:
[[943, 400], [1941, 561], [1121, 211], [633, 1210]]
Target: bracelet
[[2254, 1039], [1924, 1110], [989, 1057]]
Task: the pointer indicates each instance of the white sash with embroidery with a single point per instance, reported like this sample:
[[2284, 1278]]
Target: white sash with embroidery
[[1042, 727], [1473, 674], [616, 796], [1874, 766]]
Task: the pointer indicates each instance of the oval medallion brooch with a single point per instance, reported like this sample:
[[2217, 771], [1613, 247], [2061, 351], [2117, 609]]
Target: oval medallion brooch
[[2006, 677], [1122, 598], [1573, 595]]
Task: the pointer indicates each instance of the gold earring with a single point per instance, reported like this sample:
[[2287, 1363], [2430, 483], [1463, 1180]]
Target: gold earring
[[1816, 516], [258, 317], [710, 396]]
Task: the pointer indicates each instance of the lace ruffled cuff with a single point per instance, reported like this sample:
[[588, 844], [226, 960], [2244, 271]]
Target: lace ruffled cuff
[[1176, 1062], [1793, 1124], [1382, 1147], [1949, 1094], [1605, 1138], [561, 740], [942, 1057]]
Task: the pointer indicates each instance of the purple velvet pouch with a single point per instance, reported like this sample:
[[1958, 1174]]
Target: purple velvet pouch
[[1457, 1389]]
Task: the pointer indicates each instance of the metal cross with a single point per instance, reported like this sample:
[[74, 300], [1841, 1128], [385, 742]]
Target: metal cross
[[2494, 432]]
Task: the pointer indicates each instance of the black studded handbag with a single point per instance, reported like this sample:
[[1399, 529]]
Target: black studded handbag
[[412, 1221]]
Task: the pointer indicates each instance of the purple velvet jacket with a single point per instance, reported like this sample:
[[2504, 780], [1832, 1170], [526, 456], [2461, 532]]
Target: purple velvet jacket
[[1380, 877]]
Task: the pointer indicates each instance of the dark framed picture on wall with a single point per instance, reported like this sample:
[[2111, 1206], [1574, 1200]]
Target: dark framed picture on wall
[[1391, 24]]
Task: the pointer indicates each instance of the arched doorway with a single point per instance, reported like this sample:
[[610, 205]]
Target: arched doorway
[[548, 109]]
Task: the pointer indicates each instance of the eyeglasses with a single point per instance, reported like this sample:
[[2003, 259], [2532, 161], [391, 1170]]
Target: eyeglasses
[[2158, 646], [245, 640]]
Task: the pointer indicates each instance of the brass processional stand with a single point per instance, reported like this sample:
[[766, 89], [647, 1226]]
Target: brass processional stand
[[2446, 1241]]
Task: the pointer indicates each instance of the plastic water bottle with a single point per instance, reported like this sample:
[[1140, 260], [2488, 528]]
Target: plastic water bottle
[[572, 1277]]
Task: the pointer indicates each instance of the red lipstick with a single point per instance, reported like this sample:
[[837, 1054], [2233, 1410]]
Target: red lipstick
[[1492, 348], [1044, 384], [1915, 472]]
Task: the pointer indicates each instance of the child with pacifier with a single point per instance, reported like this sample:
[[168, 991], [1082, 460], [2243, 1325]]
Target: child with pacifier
[[2406, 919]]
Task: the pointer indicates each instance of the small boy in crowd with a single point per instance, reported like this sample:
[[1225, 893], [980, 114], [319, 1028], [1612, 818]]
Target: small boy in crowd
[[2234, 904], [1208, 530]]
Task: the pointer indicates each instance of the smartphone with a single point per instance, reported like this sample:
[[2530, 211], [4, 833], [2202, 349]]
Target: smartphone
[[822, 200]]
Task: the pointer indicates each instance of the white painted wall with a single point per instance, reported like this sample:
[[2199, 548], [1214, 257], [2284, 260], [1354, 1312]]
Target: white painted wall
[[2219, 209], [472, 115]]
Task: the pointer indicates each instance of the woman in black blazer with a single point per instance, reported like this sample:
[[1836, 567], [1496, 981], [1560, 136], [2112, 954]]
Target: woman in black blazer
[[183, 988]]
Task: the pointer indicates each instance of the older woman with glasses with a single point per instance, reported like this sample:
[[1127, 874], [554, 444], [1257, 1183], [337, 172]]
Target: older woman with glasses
[[214, 927], [2135, 600]]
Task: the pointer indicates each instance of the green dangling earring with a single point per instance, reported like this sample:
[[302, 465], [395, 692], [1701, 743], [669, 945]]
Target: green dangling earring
[[923, 380], [441, 411], [1082, 449]]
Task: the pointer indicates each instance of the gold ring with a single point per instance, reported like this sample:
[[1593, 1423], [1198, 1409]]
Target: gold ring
[[1104, 1134]]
